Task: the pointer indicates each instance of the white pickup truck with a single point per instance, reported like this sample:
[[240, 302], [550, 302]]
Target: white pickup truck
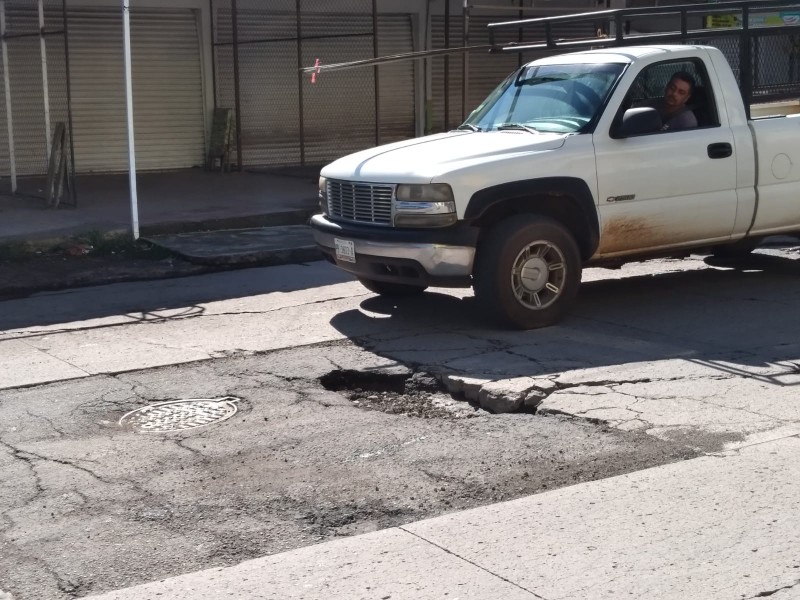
[[558, 168]]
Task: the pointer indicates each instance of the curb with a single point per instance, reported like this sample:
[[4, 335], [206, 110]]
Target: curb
[[286, 217], [273, 245], [263, 258]]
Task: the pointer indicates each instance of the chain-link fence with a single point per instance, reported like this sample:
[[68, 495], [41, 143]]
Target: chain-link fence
[[34, 101], [458, 88], [285, 118], [776, 66], [774, 56], [774, 63]]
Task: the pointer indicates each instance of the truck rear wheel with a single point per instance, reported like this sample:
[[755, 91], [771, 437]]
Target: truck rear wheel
[[388, 288], [527, 272]]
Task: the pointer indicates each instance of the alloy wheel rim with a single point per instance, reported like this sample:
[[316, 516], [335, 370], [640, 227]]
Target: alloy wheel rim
[[538, 275]]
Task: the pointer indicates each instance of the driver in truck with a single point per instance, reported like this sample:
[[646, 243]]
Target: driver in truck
[[672, 107]]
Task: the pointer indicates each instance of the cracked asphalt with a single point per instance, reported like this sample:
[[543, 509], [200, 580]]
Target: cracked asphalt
[[88, 506], [661, 362]]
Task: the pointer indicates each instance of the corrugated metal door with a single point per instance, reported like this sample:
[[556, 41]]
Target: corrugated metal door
[[27, 106], [167, 89], [27, 99]]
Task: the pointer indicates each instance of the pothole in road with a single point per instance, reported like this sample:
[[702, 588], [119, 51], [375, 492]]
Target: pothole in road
[[178, 415], [415, 395]]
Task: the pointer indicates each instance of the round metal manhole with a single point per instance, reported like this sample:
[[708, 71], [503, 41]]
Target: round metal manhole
[[178, 415]]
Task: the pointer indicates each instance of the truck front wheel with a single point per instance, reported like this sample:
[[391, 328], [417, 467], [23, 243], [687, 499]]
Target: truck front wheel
[[388, 288], [527, 272]]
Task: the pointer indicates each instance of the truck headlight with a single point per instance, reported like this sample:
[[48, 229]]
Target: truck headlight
[[426, 205], [323, 195], [429, 192]]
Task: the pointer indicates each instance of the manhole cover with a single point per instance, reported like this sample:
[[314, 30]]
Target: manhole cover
[[177, 415]]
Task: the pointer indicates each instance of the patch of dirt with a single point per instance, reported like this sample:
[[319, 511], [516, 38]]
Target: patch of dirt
[[419, 395], [51, 271]]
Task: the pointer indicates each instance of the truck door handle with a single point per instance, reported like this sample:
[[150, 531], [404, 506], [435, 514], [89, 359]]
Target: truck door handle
[[720, 150]]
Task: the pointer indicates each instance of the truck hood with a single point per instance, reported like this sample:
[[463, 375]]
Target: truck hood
[[425, 159]]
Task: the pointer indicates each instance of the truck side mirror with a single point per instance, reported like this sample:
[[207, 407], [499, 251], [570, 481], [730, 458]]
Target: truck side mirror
[[637, 121]]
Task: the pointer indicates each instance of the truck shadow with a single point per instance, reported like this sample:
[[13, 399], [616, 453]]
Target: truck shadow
[[734, 317]]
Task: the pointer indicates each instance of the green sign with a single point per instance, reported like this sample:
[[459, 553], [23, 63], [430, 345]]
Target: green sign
[[713, 21], [758, 20]]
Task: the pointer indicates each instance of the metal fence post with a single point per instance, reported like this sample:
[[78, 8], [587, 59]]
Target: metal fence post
[[236, 99], [300, 83], [375, 68], [446, 65], [12, 163], [126, 35], [465, 61], [746, 61], [72, 188], [45, 87]]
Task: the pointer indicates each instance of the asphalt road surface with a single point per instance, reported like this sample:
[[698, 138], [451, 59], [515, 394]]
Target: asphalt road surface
[[341, 413]]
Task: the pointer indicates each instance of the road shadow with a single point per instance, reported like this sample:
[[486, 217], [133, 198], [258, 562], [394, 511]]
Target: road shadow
[[736, 317], [163, 299]]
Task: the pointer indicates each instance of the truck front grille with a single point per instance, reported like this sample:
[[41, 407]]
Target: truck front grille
[[360, 202]]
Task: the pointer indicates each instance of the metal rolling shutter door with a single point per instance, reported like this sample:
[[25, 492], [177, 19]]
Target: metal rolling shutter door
[[268, 83], [30, 150], [339, 110], [437, 75], [396, 80], [269, 97], [167, 90], [27, 102]]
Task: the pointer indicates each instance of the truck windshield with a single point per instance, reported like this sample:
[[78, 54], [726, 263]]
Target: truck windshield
[[547, 98]]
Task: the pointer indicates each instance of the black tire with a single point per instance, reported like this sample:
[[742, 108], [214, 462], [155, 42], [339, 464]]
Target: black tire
[[740, 249], [535, 245], [386, 288]]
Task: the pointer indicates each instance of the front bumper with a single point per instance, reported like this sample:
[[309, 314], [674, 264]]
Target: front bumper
[[437, 257]]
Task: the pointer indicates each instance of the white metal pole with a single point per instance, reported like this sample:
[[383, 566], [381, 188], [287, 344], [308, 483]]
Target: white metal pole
[[126, 31], [12, 163], [45, 87]]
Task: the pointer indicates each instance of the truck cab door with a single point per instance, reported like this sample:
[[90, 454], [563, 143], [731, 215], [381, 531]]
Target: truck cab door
[[665, 189]]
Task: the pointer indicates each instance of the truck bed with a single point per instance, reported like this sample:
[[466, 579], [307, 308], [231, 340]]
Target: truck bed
[[777, 143], [775, 109]]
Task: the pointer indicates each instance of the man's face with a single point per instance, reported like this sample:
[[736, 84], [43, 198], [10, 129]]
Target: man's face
[[676, 94]]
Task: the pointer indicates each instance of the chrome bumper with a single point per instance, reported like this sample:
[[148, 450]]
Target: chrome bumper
[[438, 260]]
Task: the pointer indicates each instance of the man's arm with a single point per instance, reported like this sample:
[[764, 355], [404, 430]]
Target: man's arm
[[683, 120]]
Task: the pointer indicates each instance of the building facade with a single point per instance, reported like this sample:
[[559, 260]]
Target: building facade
[[189, 57]]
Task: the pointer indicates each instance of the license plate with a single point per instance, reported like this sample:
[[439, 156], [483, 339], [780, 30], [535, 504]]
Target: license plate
[[345, 250]]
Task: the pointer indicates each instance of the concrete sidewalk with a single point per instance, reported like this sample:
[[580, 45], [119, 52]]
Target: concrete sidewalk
[[212, 221], [716, 527], [169, 202]]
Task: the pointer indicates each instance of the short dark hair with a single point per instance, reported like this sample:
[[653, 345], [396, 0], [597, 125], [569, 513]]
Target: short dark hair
[[684, 76]]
